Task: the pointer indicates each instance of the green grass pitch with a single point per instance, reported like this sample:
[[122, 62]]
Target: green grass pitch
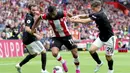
[[87, 64]]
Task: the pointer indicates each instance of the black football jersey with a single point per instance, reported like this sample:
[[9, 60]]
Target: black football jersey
[[27, 37], [103, 25]]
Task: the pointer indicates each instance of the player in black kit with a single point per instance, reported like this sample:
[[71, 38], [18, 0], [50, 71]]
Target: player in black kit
[[106, 35], [31, 41]]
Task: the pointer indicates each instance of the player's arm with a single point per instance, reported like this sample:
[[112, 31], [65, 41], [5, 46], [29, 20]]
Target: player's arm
[[27, 25], [87, 20], [82, 16], [28, 29], [39, 36], [36, 23], [69, 14], [91, 18]]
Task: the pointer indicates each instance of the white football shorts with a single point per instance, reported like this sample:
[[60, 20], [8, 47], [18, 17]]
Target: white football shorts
[[110, 45], [35, 47]]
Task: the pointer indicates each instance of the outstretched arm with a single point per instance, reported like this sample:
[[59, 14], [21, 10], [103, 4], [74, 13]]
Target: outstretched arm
[[82, 16], [69, 14], [81, 20]]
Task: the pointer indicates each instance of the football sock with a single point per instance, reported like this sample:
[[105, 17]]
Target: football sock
[[59, 58], [43, 60], [28, 57], [110, 64], [76, 62], [96, 58]]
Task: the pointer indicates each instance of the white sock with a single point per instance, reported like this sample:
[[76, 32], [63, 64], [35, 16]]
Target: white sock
[[59, 58], [76, 61]]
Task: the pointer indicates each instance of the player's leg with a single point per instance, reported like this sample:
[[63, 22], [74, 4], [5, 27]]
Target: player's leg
[[27, 59], [56, 45], [47, 45], [44, 61], [69, 43], [109, 52], [110, 63], [24, 61], [42, 50], [94, 47], [76, 59]]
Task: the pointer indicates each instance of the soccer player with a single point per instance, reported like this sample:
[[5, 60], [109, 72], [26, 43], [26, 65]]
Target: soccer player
[[62, 35], [33, 45], [106, 36]]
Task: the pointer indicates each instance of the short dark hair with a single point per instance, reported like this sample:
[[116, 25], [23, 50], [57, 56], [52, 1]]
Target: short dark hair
[[31, 5], [96, 3], [51, 9]]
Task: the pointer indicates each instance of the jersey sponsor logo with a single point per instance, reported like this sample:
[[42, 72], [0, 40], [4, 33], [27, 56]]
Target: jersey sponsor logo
[[94, 17]]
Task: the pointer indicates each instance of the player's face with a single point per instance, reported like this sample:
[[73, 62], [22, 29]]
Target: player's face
[[96, 9], [34, 10], [54, 13]]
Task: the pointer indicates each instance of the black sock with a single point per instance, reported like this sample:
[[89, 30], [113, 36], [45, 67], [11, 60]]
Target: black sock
[[43, 59], [110, 64], [25, 60], [96, 58]]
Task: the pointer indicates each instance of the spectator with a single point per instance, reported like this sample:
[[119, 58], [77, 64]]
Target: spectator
[[13, 13]]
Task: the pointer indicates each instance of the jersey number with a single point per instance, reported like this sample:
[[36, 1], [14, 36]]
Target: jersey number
[[71, 41], [110, 49]]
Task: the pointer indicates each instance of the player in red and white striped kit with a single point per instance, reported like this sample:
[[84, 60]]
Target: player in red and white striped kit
[[62, 35]]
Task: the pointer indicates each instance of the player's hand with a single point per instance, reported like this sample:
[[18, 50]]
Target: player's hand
[[39, 37], [75, 17], [33, 31], [71, 19]]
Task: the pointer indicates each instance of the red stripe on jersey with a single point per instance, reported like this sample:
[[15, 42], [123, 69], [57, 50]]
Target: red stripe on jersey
[[54, 28], [64, 26]]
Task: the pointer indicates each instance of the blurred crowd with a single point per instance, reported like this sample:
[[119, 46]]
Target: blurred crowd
[[126, 3], [12, 14]]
